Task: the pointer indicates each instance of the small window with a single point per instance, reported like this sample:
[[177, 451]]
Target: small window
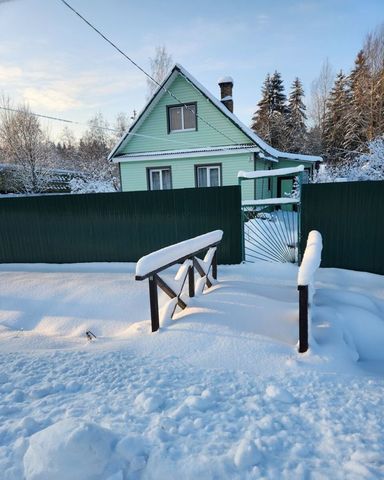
[[159, 178], [208, 176], [182, 118]]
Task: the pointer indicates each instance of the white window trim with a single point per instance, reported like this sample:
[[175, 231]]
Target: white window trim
[[209, 168], [160, 170], [182, 119]]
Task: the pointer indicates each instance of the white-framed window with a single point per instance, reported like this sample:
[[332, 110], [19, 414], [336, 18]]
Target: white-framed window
[[208, 175], [182, 118], [160, 178]]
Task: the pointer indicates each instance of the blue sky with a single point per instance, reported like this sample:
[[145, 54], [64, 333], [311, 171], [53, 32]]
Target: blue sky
[[52, 60]]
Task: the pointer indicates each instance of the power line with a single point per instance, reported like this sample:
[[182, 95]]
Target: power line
[[14, 110], [40, 115], [143, 71]]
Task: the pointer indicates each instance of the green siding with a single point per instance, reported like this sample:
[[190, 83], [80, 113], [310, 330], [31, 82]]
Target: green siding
[[134, 174], [155, 125]]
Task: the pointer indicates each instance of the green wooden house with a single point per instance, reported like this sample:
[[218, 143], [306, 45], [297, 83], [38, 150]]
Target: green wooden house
[[185, 137]]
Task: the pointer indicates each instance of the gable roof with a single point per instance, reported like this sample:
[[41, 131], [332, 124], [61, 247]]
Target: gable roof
[[254, 138]]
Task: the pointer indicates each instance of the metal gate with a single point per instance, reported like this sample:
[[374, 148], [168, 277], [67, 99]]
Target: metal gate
[[271, 226]]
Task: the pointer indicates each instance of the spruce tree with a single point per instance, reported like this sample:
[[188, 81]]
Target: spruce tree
[[335, 119], [269, 121], [279, 113], [277, 92], [296, 117], [357, 115], [261, 118]]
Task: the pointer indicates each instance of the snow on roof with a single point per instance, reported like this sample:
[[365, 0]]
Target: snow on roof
[[179, 69], [225, 79], [270, 173]]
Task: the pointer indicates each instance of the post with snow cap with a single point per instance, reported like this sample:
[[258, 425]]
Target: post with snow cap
[[226, 86], [305, 284]]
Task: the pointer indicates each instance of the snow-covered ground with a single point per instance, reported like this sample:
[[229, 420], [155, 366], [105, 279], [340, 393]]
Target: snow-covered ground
[[220, 392]]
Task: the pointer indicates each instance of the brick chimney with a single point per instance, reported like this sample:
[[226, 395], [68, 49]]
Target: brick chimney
[[226, 85]]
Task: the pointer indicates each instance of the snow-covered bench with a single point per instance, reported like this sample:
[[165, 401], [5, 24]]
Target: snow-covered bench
[[184, 253], [305, 283]]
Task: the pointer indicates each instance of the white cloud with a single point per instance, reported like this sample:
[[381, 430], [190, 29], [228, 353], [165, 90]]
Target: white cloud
[[10, 74], [51, 99], [60, 87]]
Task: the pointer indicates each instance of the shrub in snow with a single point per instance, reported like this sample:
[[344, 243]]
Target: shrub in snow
[[370, 166], [367, 166], [69, 449], [87, 185]]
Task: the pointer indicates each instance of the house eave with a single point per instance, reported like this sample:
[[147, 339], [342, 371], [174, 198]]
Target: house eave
[[195, 153]]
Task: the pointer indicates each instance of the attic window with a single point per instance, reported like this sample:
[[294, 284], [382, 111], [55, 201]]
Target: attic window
[[182, 118]]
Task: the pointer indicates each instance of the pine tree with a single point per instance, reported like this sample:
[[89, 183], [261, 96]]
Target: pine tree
[[357, 116], [296, 117], [335, 124]]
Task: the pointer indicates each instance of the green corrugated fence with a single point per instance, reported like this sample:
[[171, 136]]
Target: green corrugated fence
[[116, 227], [350, 218]]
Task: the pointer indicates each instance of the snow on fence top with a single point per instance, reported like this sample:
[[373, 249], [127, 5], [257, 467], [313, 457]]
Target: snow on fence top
[[311, 259], [270, 201], [173, 253], [270, 173]]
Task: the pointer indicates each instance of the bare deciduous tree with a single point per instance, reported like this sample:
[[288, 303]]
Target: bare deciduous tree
[[25, 145], [160, 65], [94, 147], [121, 125], [320, 90]]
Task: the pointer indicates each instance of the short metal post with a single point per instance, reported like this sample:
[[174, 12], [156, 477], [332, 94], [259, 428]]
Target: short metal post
[[303, 318], [214, 265], [154, 303], [191, 281]]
